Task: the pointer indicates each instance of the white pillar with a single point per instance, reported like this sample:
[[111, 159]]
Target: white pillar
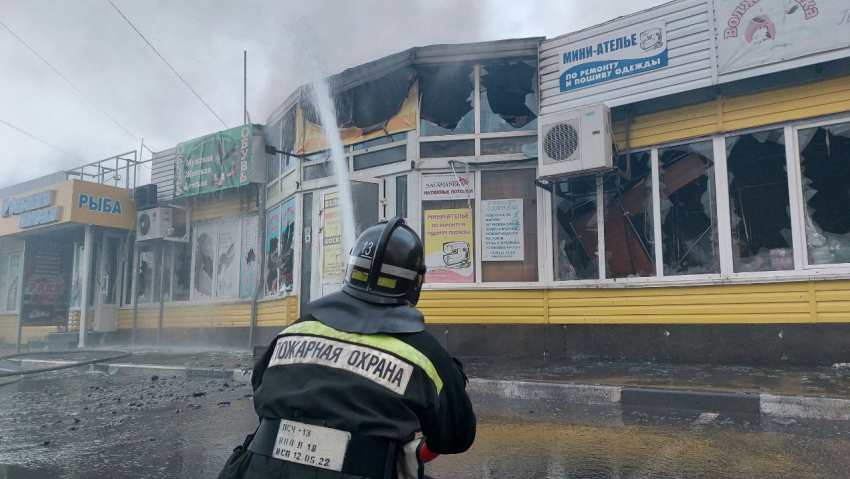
[[87, 275]]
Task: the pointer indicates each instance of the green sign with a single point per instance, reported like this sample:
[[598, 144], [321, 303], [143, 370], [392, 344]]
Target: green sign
[[213, 162]]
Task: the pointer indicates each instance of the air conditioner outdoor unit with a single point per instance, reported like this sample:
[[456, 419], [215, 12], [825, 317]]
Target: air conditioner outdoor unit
[[575, 142], [153, 223]]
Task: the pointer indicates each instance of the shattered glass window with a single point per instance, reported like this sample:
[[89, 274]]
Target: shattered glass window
[[576, 229], [273, 161], [447, 100], [688, 209], [181, 272], [758, 201], [509, 96], [629, 233], [288, 162], [825, 167]]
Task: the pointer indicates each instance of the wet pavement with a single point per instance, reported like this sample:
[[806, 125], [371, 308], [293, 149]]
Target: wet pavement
[[818, 381], [90, 425]]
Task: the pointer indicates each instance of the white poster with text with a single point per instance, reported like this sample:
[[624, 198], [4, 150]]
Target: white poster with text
[[503, 240]]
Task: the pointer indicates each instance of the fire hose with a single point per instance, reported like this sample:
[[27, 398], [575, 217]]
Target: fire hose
[[115, 354]]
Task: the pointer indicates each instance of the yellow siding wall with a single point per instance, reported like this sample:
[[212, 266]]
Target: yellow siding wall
[[797, 302], [281, 312], [233, 315], [729, 114], [9, 330]]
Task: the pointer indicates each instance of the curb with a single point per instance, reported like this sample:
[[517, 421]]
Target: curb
[[626, 397]]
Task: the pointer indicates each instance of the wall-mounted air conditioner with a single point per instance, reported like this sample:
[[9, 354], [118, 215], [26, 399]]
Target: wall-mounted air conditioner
[[154, 223], [575, 142]]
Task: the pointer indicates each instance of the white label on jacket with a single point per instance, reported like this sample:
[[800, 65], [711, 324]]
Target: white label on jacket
[[311, 445], [377, 366]]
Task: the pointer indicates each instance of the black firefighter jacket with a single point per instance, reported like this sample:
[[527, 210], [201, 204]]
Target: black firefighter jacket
[[389, 386]]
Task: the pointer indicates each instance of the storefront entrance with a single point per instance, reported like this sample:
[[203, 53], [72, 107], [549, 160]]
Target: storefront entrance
[[106, 269], [366, 195]]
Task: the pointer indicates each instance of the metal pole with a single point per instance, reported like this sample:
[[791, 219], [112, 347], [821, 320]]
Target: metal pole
[[245, 89], [161, 292], [261, 246], [87, 276], [21, 296], [134, 286]]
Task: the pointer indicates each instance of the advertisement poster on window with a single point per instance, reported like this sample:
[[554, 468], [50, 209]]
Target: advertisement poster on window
[[46, 283], [503, 232], [249, 267], [213, 162], [205, 250], [751, 34], [625, 52], [448, 186], [227, 276], [272, 248], [286, 249], [331, 237], [448, 246]]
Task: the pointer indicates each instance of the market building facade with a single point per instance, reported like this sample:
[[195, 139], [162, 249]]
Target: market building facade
[[670, 185]]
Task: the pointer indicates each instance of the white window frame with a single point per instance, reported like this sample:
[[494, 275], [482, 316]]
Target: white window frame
[[799, 214], [7, 258], [801, 272], [296, 240]]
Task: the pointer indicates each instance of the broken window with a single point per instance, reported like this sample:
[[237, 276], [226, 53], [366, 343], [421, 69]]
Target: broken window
[[576, 229], [181, 272], [447, 103], [509, 216], [273, 161], [509, 96], [288, 141], [825, 167], [758, 200], [688, 209], [629, 234]]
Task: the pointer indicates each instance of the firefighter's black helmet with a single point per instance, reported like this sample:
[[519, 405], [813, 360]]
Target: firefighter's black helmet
[[386, 264]]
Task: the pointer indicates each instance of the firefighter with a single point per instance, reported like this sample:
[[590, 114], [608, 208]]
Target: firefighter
[[356, 387]]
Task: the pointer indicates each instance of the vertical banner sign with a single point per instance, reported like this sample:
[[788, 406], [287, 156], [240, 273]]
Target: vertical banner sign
[[249, 268], [46, 283], [503, 233], [227, 279], [628, 51], [287, 246], [272, 248], [754, 33], [213, 162], [448, 246], [331, 237]]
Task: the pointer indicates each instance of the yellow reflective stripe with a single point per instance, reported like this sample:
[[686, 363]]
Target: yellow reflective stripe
[[379, 341]]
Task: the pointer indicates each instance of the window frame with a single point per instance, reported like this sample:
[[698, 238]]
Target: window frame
[[802, 270], [7, 258]]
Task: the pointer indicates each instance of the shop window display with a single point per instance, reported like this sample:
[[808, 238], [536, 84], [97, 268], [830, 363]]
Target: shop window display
[[825, 168], [629, 233], [576, 229], [688, 209], [758, 200]]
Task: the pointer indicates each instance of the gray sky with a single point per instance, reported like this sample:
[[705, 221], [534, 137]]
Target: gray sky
[[91, 45]]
